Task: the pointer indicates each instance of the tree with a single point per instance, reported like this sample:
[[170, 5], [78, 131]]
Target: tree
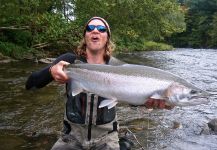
[[200, 19], [213, 32], [132, 20], [52, 23]]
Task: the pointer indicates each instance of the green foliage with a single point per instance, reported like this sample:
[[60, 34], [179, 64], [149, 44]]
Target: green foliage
[[141, 45], [13, 50], [142, 18], [201, 25], [202, 6], [48, 25], [150, 45], [213, 32], [125, 44], [20, 37]]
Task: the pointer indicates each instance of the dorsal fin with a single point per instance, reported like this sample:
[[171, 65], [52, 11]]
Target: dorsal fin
[[75, 88]]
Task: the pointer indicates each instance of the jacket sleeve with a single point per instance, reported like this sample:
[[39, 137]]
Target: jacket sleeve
[[43, 77]]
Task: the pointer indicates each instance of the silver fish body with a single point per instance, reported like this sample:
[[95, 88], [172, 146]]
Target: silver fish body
[[133, 84]]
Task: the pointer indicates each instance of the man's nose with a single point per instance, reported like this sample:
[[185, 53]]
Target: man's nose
[[95, 30]]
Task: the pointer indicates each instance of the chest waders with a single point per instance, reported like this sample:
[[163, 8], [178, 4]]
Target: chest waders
[[86, 126]]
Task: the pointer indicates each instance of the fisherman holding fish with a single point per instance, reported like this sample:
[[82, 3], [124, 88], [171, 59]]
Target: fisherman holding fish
[[86, 125]]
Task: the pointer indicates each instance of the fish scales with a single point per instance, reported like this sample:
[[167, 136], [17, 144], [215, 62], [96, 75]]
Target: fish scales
[[133, 84]]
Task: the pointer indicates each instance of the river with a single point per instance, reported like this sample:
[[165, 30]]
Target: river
[[33, 119]]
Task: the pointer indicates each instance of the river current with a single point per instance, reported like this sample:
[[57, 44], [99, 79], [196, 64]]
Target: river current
[[33, 119]]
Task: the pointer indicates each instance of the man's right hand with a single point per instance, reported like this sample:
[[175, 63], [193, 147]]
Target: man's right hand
[[157, 104], [57, 72]]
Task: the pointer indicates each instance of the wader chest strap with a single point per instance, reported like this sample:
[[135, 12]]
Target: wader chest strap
[[95, 102], [91, 109], [88, 108], [91, 113]]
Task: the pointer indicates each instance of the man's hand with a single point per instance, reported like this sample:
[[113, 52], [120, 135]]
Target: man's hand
[[57, 72], [157, 103]]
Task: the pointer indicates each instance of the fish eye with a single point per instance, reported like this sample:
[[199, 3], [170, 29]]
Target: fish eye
[[193, 92]]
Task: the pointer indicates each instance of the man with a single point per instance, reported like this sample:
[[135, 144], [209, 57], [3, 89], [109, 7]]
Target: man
[[86, 126]]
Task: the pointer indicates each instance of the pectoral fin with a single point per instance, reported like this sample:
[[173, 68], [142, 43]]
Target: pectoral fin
[[76, 88], [108, 103], [112, 105]]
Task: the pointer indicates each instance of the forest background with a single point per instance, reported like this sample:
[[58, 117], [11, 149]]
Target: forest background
[[37, 28]]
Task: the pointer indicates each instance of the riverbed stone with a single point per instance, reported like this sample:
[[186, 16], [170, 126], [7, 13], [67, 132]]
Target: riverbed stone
[[205, 130], [46, 60], [213, 124], [5, 59]]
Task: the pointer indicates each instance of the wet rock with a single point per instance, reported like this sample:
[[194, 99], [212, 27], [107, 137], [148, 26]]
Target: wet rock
[[35, 134], [176, 125], [205, 130], [213, 124], [125, 143], [46, 60], [5, 59]]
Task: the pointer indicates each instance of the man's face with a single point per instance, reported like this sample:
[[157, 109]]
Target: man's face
[[95, 40]]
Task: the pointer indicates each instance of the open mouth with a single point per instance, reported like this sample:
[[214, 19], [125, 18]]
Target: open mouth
[[95, 39]]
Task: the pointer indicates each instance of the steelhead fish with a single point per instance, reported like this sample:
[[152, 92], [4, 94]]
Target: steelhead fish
[[133, 84]]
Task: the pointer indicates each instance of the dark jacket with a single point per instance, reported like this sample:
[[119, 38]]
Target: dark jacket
[[76, 106]]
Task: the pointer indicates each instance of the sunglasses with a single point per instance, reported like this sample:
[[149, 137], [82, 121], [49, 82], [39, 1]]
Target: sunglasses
[[100, 28]]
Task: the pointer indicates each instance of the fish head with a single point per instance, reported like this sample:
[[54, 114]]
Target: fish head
[[180, 95]]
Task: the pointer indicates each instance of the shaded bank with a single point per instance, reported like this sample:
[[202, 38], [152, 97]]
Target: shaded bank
[[33, 54]]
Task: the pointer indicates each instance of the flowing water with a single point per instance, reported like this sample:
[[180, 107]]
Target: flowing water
[[33, 119]]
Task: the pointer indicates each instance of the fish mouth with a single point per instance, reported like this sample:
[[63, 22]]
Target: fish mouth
[[201, 92], [196, 100], [189, 100]]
